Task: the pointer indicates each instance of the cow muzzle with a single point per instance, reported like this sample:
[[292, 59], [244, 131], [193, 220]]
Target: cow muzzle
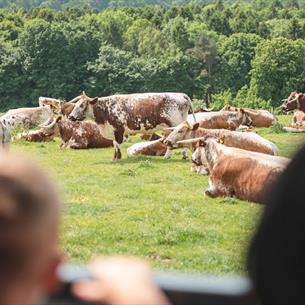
[[72, 118]]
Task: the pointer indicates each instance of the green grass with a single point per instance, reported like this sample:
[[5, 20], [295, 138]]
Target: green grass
[[149, 207]]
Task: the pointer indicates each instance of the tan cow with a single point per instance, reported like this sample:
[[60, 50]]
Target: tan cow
[[237, 172], [26, 118], [221, 119], [77, 135], [55, 104], [244, 140], [298, 119], [150, 148], [259, 117]]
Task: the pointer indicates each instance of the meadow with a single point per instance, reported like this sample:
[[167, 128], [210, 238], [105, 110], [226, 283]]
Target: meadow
[[149, 207]]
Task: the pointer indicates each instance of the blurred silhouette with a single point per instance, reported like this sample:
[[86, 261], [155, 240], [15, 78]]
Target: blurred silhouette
[[277, 253]]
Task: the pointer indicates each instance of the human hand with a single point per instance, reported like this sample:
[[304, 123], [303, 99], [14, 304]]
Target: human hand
[[120, 281]]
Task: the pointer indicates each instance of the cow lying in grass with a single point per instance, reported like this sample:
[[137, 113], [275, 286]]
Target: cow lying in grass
[[77, 135], [150, 148], [26, 118], [36, 136], [259, 117], [221, 119], [238, 172], [244, 140]]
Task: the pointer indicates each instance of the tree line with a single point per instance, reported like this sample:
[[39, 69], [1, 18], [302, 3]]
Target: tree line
[[247, 53]]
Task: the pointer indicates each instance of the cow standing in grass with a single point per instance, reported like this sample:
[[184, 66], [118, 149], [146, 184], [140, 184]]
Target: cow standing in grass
[[238, 172], [118, 115]]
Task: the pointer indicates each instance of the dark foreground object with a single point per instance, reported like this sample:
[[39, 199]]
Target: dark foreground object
[[181, 289]]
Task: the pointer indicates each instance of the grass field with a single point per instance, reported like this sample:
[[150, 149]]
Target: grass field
[[149, 207]]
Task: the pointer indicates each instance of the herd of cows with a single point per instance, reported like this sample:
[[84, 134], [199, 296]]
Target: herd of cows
[[224, 146]]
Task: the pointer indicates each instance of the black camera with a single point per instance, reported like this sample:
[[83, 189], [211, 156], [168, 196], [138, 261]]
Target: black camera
[[180, 288]]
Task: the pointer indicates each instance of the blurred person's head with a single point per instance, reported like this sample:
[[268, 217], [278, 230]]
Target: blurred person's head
[[29, 216]]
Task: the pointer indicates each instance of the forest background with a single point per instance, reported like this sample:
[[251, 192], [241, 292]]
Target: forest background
[[246, 53]]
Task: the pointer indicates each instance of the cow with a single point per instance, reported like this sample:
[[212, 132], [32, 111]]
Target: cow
[[55, 104], [27, 117], [150, 148], [238, 172], [298, 119], [245, 140], [36, 136], [259, 117], [127, 114], [76, 135], [221, 119], [150, 137], [294, 101], [67, 108]]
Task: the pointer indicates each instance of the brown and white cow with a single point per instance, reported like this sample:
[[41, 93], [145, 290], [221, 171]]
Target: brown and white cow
[[259, 117], [244, 140], [150, 148], [221, 119], [27, 117], [55, 104], [36, 136], [126, 114], [238, 172], [294, 101], [77, 135]]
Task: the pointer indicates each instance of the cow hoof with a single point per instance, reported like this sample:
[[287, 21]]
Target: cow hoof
[[185, 158], [209, 194]]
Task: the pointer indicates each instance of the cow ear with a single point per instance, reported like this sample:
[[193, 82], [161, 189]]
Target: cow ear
[[242, 110], [59, 118], [93, 101], [195, 126], [221, 140]]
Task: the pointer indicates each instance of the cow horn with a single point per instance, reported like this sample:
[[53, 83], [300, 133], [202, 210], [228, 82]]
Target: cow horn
[[84, 94], [53, 122], [190, 141], [75, 100]]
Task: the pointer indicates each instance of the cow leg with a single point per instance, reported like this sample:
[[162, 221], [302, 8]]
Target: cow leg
[[117, 151], [184, 153], [117, 142], [168, 153]]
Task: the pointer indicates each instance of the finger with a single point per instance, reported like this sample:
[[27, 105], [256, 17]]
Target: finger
[[89, 291]]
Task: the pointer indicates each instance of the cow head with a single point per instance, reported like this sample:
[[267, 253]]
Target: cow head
[[245, 117], [83, 108], [180, 133], [292, 102], [51, 126]]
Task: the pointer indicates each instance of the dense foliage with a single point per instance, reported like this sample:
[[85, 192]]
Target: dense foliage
[[221, 52]]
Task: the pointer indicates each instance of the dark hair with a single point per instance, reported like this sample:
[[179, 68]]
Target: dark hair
[[276, 259]]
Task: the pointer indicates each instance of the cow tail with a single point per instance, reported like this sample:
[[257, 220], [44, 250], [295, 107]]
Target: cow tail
[[191, 107]]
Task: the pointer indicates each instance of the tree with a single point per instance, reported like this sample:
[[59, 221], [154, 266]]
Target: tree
[[277, 69]]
